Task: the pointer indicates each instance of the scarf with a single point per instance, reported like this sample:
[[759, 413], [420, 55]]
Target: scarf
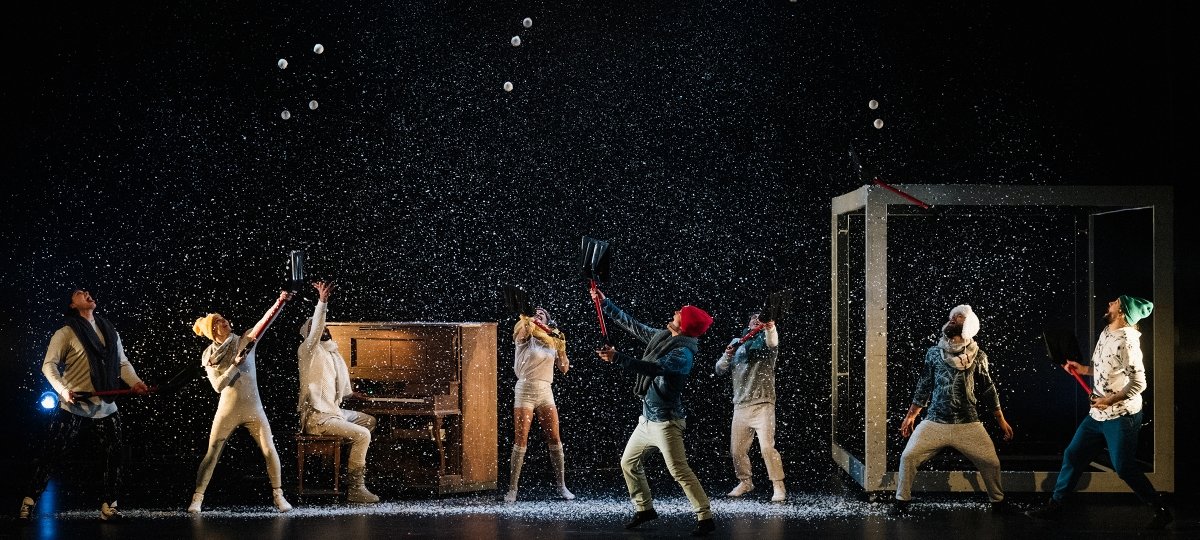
[[961, 356], [658, 346], [103, 358]]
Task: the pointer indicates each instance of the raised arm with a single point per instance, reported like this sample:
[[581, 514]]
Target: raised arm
[[269, 316], [640, 331], [317, 328]]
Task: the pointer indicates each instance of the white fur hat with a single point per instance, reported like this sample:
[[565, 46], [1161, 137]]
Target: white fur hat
[[971, 324]]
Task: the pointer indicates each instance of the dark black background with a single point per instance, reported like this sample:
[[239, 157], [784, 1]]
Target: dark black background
[[146, 159]]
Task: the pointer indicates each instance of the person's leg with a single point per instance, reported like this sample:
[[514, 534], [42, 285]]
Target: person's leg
[[632, 467], [1122, 437], [925, 442], [260, 429], [668, 437], [973, 441], [1088, 440], [522, 419], [547, 415], [355, 430], [108, 431], [740, 437], [61, 433], [763, 422], [217, 436]]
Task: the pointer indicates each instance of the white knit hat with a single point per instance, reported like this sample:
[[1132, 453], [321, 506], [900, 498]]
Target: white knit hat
[[971, 324]]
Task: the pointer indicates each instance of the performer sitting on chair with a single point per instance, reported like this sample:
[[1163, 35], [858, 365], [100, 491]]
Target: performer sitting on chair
[[324, 383]]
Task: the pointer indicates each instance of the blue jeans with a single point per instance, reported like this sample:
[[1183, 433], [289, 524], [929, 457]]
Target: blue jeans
[[1121, 436]]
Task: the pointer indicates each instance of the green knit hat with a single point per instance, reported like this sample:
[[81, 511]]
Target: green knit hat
[[1135, 308]]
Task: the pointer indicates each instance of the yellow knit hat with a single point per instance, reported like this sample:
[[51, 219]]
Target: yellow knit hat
[[204, 325]]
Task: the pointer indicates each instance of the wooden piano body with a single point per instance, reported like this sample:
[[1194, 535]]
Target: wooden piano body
[[433, 390]]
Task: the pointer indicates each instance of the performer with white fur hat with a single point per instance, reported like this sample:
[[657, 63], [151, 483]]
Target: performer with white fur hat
[[954, 379]]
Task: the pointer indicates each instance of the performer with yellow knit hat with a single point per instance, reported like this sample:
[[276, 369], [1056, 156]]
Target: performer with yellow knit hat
[[229, 362]]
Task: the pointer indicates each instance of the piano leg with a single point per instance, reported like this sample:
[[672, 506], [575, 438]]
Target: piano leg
[[441, 444]]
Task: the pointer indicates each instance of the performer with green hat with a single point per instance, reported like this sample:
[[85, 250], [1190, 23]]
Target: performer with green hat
[[1116, 413]]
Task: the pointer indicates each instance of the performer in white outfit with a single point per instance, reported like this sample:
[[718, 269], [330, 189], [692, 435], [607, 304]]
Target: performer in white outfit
[[537, 354], [324, 383], [229, 362]]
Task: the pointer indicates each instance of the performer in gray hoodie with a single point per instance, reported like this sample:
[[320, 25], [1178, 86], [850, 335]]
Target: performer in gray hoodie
[[954, 379], [752, 365]]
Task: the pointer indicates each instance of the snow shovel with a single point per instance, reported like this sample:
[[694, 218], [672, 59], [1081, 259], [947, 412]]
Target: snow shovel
[[1062, 345], [776, 306], [596, 256], [516, 301], [177, 381]]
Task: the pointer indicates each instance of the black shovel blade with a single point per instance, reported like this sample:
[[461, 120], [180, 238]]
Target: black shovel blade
[[1063, 345], [778, 304], [181, 378], [596, 255], [516, 301]]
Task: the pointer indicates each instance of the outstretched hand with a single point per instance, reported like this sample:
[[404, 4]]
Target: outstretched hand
[[606, 353], [323, 290]]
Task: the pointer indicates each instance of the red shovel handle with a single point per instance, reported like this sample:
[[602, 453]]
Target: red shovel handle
[[599, 312], [1079, 379]]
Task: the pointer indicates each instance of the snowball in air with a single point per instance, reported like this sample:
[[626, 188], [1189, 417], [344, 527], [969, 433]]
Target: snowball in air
[[516, 40], [873, 104], [878, 123], [282, 63], [508, 86], [318, 48], [527, 22], [285, 114], [312, 104]]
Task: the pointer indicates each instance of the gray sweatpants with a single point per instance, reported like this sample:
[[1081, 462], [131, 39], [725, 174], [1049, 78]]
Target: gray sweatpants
[[931, 437]]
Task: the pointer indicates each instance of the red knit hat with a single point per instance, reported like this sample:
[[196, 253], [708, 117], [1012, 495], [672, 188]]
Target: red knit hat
[[693, 321]]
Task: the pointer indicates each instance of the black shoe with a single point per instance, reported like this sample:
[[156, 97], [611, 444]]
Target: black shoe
[[1162, 517], [1052, 510], [641, 517], [899, 508], [703, 527]]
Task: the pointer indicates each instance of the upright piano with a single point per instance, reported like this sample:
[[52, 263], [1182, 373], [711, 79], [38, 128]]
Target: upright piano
[[432, 387]]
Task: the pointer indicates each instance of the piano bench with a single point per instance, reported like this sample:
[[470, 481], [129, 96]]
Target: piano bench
[[329, 448]]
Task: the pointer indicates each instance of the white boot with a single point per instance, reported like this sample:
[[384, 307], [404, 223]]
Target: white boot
[[743, 487], [780, 491], [197, 500], [357, 492], [281, 503], [27, 505], [558, 461], [515, 461]]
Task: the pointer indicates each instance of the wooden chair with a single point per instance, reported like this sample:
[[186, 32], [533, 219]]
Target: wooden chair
[[329, 448]]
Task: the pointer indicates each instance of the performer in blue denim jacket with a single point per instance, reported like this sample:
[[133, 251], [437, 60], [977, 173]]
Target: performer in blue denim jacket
[[662, 372]]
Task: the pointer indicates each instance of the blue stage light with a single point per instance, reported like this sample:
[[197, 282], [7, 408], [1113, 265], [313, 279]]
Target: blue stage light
[[49, 400]]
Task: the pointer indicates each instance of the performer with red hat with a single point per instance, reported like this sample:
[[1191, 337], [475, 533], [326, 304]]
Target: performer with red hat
[[662, 372]]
